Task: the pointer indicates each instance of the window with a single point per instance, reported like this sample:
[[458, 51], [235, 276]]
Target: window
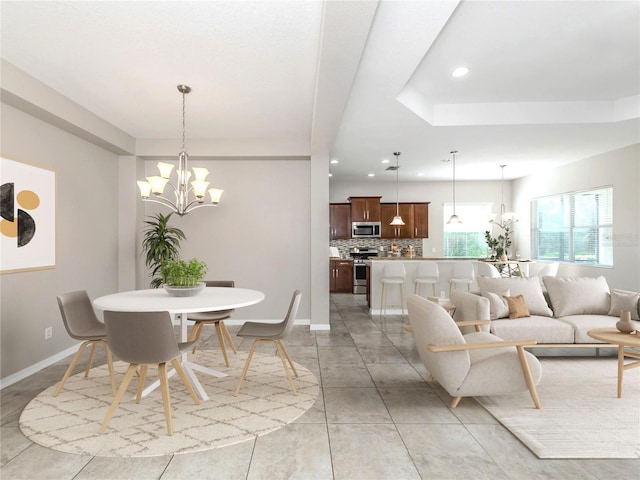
[[574, 227], [466, 239]]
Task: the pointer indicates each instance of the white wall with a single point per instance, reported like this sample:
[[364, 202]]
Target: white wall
[[259, 236], [620, 168], [86, 238]]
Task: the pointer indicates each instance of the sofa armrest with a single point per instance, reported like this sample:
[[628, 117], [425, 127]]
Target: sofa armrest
[[473, 323], [478, 346]]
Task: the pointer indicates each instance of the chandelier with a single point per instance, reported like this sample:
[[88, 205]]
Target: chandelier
[[504, 218], [187, 198], [454, 219], [397, 220]]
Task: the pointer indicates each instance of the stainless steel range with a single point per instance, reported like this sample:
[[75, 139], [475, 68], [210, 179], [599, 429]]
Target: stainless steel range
[[360, 256]]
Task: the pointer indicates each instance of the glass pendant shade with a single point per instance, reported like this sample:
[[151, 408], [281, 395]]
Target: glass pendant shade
[[397, 221], [454, 220]]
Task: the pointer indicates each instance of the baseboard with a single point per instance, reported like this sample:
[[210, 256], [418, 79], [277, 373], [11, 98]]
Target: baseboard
[[36, 367]]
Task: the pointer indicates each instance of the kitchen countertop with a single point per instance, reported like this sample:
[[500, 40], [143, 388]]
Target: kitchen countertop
[[437, 259]]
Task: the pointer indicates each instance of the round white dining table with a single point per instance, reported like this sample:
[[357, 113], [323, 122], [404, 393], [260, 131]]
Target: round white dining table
[[209, 299]]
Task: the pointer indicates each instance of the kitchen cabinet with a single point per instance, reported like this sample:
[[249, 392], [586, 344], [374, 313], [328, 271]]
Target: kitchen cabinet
[[365, 209], [341, 276], [339, 221], [421, 220], [387, 212], [414, 215]]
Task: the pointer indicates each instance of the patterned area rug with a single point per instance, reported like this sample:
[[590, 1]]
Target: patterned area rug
[[70, 421], [581, 416]]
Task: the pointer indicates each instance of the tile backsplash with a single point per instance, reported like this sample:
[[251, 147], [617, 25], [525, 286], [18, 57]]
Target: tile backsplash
[[344, 246]]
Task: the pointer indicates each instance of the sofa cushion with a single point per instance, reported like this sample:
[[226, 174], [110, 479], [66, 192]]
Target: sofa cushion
[[498, 307], [529, 288], [624, 300], [581, 324], [517, 307], [578, 295], [536, 327]]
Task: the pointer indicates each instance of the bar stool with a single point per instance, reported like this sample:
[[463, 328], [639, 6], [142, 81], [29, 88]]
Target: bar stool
[[393, 273], [426, 273], [462, 274]]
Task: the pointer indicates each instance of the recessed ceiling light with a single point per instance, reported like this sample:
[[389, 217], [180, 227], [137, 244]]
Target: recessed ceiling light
[[334, 161], [331, 174], [371, 175], [460, 72], [420, 174], [385, 161]]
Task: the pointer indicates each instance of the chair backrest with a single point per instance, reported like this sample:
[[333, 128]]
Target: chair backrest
[[289, 319], [487, 270], [433, 325], [220, 283], [141, 337], [463, 270], [78, 315], [394, 269], [549, 270], [428, 269]]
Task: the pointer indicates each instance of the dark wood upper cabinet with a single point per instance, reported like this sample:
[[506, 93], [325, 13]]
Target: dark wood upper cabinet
[[365, 209], [339, 221], [414, 215]]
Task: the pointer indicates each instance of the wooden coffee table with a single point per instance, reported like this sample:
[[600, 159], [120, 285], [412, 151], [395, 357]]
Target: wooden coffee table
[[615, 337]]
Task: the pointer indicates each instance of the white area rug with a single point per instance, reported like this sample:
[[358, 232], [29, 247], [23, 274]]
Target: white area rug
[[70, 421], [581, 416]]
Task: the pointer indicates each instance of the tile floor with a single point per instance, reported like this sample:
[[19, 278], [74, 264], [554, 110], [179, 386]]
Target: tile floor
[[375, 419]]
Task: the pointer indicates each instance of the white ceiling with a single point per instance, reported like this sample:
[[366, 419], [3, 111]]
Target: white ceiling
[[549, 83]]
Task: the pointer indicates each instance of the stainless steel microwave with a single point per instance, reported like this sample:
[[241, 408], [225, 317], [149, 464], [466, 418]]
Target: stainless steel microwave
[[365, 229]]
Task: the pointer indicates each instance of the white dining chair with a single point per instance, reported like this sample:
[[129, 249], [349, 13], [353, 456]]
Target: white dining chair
[[393, 273], [463, 274], [427, 273]]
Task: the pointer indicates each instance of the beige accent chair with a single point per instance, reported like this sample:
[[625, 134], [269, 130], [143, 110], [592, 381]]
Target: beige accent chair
[[143, 339], [427, 273], [462, 273], [216, 319], [81, 323], [272, 333], [393, 273], [474, 364]]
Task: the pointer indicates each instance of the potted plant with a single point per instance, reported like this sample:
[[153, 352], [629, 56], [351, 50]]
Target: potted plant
[[161, 243], [182, 278], [498, 245]]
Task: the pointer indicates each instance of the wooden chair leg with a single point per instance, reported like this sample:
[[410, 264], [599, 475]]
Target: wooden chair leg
[[455, 402], [90, 361], [430, 379], [221, 342], [383, 303], [528, 377], [434, 289], [295, 372], [284, 364], [178, 366], [246, 367], [142, 375], [402, 300], [74, 360], [196, 331], [116, 400], [227, 335], [110, 365], [166, 400]]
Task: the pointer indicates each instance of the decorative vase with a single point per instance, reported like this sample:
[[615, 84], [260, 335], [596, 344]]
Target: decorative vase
[[624, 324], [190, 291], [503, 257]]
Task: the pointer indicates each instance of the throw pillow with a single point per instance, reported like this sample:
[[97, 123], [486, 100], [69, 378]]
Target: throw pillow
[[517, 307], [622, 300], [498, 307], [578, 295], [529, 288]]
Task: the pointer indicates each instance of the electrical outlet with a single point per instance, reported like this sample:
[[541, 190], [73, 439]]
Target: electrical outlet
[[48, 333]]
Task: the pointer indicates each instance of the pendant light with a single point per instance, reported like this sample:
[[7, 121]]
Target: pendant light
[[186, 198], [454, 218], [397, 220], [504, 218]]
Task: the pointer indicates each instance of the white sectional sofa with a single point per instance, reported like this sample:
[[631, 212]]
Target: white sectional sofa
[[559, 315]]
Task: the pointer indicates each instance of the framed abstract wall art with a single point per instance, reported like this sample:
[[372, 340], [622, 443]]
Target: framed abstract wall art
[[28, 216]]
